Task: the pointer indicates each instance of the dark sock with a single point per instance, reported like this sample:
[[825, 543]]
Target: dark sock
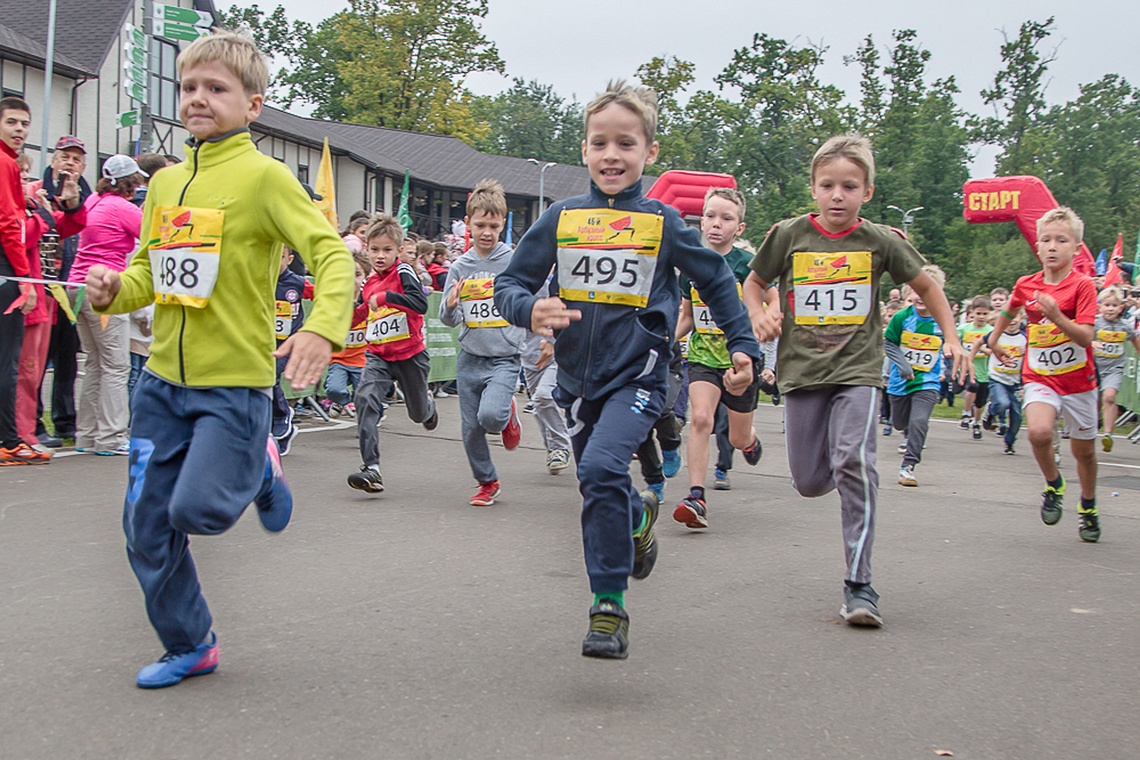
[[855, 586], [1087, 505], [1060, 481], [697, 492]]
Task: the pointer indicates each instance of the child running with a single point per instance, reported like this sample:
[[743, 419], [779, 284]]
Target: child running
[[1108, 348], [346, 367], [1005, 380], [1058, 374], [977, 390], [213, 227], [290, 317], [913, 342], [722, 222], [616, 310], [828, 266], [487, 368], [395, 304]]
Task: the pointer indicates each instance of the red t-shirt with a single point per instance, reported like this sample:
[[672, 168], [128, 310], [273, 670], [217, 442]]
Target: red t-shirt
[[1052, 359]]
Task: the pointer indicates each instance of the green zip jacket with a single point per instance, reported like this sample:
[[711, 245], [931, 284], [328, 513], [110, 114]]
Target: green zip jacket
[[235, 207]]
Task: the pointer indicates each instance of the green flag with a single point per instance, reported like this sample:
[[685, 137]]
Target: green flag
[[1136, 258], [402, 214]]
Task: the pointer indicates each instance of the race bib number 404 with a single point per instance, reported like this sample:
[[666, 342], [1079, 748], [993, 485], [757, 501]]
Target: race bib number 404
[[1052, 353], [185, 249], [607, 256], [477, 298], [387, 326], [832, 288]]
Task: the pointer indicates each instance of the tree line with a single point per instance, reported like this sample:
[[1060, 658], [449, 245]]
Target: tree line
[[403, 63]]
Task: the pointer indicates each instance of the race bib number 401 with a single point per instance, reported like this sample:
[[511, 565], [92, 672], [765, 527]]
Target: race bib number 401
[[832, 288], [185, 246], [1111, 344], [1052, 353], [477, 299], [607, 256]]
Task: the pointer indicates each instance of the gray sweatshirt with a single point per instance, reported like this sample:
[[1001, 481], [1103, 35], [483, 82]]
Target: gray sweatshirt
[[481, 341]]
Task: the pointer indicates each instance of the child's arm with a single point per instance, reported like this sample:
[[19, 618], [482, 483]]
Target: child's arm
[[893, 349], [684, 320], [412, 299], [1082, 335], [763, 304], [530, 265], [993, 338], [939, 308], [449, 312]]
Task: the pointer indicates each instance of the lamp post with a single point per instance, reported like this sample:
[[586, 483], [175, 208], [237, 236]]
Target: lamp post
[[541, 182], [907, 217]]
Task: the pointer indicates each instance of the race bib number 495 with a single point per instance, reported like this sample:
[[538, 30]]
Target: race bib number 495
[[607, 256], [185, 245], [832, 288]]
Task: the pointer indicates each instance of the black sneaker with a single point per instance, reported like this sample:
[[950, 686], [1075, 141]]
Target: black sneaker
[[367, 480], [964, 422], [1051, 503], [987, 420], [753, 452], [432, 422], [1009, 449], [1089, 526], [976, 432], [609, 632], [645, 543], [691, 513], [860, 606]]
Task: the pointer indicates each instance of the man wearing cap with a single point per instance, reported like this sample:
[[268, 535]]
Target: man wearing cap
[[108, 240], [69, 158]]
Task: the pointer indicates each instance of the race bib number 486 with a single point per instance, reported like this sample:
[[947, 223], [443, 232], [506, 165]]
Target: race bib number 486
[[477, 298], [607, 256], [832, 288], [185, 245]]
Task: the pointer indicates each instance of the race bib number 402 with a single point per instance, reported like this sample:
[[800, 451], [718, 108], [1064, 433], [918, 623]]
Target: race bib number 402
[[1052, 353], [607, 256], [832, 288], [477, 299], [185, 249]]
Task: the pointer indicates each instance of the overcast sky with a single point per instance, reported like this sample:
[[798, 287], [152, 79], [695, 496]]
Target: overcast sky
[[576, 45]]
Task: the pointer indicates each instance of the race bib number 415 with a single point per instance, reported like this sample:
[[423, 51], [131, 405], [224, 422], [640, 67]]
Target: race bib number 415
[[607, 256], [185, 246], [832, 288]]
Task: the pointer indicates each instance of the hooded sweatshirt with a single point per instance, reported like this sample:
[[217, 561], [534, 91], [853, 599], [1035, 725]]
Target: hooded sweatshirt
[[483, 331]]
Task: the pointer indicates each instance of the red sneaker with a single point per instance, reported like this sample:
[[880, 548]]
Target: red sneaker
[[22, 453], [512, 433], [486, 494]]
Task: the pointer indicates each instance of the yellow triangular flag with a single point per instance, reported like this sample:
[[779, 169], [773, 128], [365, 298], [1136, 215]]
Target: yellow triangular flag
[[60, 295], [326, 188]]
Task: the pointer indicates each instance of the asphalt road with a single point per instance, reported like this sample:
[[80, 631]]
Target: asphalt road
[[411, 625]]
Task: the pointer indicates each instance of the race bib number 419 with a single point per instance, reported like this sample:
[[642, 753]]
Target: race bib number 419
[[185, 246], [832, 288], [607, 256]]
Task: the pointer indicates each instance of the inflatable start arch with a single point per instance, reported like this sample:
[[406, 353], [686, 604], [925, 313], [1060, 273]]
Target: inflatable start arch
[[1021, 200], [685, 191]]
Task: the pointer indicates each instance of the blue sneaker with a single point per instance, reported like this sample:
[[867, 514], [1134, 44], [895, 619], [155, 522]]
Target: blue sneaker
[[721, 481], [658, 490], [274, 501], [670, 462], [172, 668]]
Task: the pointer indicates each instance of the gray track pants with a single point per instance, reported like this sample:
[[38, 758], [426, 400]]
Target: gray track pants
[[911, 415]]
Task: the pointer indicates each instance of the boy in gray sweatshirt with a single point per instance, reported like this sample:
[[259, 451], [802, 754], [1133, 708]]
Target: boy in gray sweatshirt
[[488, 364]]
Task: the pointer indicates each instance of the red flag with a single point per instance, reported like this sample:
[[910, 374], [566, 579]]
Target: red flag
[[1113, 275]]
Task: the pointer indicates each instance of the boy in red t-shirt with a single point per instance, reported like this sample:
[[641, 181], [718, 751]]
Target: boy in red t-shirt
[[1058, 374], [395, 305]]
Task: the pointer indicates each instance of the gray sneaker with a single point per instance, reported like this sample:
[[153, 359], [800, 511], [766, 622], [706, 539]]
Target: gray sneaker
[[860, 606]]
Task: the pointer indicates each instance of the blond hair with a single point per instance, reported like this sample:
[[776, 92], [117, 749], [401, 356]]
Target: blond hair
[[854, 148], [730, 194], [361, 260], [489, 197], [1063, 215], [934, 272], [236, 52], [385, 225], [641, 100], [1112, 291]]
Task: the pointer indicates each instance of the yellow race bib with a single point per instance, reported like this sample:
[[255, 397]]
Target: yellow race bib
[[1051, 352], [1112, 344], [607, 256], [832, 288], [477, 299], [185, 249], [920, 350]]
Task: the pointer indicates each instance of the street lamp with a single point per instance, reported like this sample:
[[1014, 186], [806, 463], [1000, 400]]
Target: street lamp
[[907, 217], [541, 182]]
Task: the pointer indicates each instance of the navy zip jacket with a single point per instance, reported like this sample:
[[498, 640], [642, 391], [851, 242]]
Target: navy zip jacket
[[592, 238]]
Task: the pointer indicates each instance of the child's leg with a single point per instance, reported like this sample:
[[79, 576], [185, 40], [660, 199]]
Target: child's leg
[[498, 393], [650, 460], [605, 433], [1014, 415], [703, 399], [1040, 422], [375, 384], [900, 412], [666, 428], [724, 447], [922, 404], [807, 440], [336, 384], [197, 461], [741, 434], [1080, 410], [473, 373], [851, 433], [412, 374], [1110, 410], [981, 398]]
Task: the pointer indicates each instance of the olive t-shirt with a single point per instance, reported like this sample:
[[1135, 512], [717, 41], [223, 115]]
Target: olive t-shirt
[[829, 284]]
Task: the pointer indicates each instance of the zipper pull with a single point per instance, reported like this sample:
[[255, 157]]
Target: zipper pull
[[611, 202]]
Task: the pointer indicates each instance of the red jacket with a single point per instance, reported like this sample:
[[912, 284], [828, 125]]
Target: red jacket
[[398, 288], [66, 224], [13, 255]]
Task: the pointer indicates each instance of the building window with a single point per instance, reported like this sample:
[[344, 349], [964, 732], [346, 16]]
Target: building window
[[303, 173], [163, 79]]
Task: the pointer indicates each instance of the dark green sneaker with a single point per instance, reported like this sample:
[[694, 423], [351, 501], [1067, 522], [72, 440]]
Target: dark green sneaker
[[645, 543], [609, 632], [1089, 527], [861, 607], [1051, 501]]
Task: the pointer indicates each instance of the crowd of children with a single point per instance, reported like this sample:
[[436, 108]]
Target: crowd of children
[[600, 353]]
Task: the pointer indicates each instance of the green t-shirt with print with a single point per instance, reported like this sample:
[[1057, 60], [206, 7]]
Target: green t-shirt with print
[[968, 334], [831, 332], [710, 348]]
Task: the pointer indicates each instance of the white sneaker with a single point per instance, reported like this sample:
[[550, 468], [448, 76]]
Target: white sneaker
[[902, 446], [557, 461], [906, 476]]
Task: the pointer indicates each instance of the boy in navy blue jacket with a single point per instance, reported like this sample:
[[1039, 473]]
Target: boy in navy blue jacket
[[614, 252], [288, 320]]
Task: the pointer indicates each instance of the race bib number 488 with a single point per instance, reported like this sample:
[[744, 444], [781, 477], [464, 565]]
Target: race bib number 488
[[832, 288], [607, 256], [185, 246]]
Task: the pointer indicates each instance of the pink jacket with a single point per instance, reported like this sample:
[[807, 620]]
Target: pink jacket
[[109, 238]]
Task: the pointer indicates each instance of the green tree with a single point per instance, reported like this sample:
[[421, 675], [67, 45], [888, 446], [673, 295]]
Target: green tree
[[530, 120]]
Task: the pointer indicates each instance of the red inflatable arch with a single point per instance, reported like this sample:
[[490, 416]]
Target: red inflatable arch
[[685, 191], [1021, 200]]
